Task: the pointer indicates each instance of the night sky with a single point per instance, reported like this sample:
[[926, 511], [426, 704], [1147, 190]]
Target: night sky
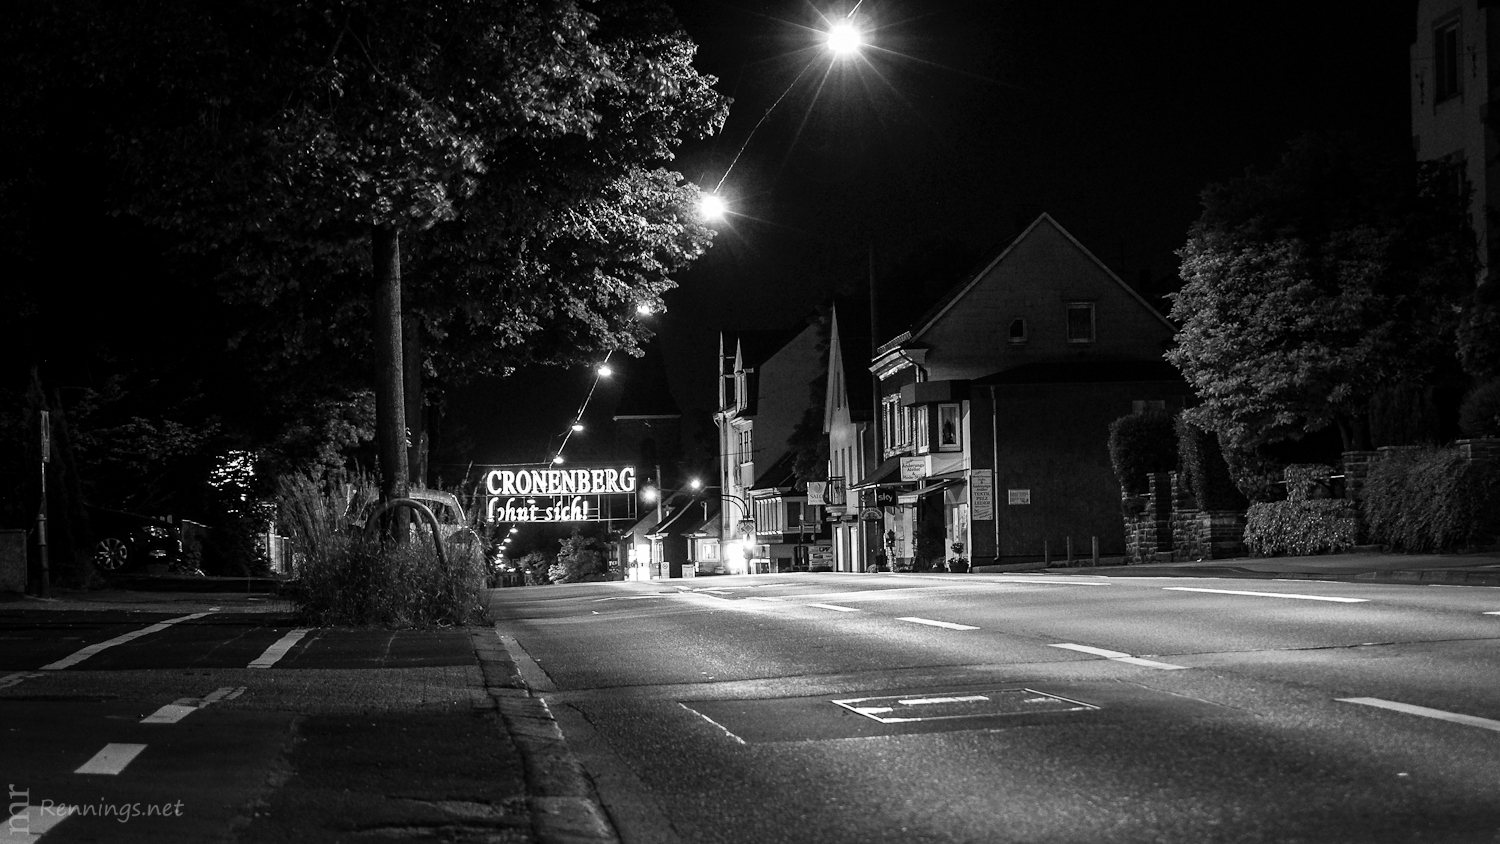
[[962, 120]]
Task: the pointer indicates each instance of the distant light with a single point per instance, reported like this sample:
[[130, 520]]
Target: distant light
[[649, 493], [712, 206], [844, 39], [605, 371], [557, 459], [695, 483], [644, 309], [577, 427], [514, 529]]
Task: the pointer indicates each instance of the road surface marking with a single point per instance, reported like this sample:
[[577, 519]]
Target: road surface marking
[[834, 607], [1469, 720], [948, 624], [925, 701], [274, 653], [1059, 580], [1269, 595], [764, 598], [16, 679], [112, 759], [183, 707], [32, 822], [736, 738], [80, 656], [1496, 612], [1117, 656], [717, 591]]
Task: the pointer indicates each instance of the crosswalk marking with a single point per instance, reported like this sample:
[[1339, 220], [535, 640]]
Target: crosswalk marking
[[30, 823], [80, 656], [183, 707]]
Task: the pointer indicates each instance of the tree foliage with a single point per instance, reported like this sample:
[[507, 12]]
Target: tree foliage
[[1310, 285]]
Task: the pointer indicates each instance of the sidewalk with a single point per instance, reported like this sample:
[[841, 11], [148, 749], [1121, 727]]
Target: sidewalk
[[1477, 569]]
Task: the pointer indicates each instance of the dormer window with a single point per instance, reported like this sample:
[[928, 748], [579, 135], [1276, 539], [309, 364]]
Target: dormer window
[[1016, 336]]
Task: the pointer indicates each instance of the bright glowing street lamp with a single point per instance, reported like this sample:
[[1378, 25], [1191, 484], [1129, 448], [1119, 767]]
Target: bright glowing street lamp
[[712, 206], [844, 39]]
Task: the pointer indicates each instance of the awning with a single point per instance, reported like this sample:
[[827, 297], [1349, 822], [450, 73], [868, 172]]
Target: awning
[[886, 473], [925, 489]]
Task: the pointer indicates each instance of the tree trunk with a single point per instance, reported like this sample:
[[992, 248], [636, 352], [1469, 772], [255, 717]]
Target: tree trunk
[[390, 411], [416, 401]]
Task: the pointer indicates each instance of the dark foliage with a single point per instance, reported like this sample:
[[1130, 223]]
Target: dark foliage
[[1204, 470], [1479, 415], [1139, 444], [1432, 500]]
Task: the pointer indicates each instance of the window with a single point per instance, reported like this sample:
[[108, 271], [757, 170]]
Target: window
[[948, 428], [1445, 61], [924, 421], [1017, 334], [1080, 322]]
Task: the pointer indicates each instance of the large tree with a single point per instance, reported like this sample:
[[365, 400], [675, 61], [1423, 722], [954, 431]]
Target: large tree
[[321, 150], [1311, 285]]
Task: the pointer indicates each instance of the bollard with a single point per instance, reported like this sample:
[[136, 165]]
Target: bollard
[[1046, 552], [1096, 551], [1070, 550]]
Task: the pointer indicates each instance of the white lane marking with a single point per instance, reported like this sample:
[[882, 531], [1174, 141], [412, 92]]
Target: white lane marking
[[717, 591], [183, 707], [1117, 656], [16, 679], [1469, 720], [1496, 612], [1055, 580], [1269, 595], [274, 653], [923, 701], [32, 822], [834, 607], [112, 759], [80, 656], [725, 729], [771, 598], [948, 624]]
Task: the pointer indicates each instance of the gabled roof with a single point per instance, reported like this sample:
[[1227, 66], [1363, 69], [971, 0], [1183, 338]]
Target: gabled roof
[[926, 321], [779, 476], [687, 513]]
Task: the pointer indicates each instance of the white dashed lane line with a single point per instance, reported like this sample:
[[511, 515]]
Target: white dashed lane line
[[1268, 594], [80, 656], [112, 759], [1409, 709], [182, 708], [929, 622], [274, 653], [28, 824], [1120, 657], [16, 679], [834, 607]]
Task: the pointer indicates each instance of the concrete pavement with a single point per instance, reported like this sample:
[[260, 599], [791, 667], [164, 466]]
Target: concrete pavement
[[1474, 569]]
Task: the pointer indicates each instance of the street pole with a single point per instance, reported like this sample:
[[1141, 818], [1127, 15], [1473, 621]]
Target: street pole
[[41, 513]]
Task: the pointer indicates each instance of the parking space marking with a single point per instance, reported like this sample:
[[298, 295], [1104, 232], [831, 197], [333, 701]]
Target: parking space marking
[[112, 759], [183, 707], [929, 622], [274, 653], [30, 823], [1269, 595], [1117, 656], [80, 656], [834, 607], [1409, 709]]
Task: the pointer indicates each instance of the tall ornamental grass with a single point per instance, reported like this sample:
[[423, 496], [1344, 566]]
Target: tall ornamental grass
[[346, 577]]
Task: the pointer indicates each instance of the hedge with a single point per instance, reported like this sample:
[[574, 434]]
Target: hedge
[[1140, 444], [1204, 469], [1432, 500], [1299, 528]]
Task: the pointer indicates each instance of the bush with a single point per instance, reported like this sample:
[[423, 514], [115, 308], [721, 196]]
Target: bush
[[1204, 470], [1300, 528], [1258, 477], [1140, 444], [1479, 415], [1432, 500], [345, 577], [579, 558]]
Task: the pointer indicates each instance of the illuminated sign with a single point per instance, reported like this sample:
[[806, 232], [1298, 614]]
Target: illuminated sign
[[560, 495]]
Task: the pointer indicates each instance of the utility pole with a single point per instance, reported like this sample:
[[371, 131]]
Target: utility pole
[[41, 513]]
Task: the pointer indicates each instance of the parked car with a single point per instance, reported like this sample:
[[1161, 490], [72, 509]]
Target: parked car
[[130, 540]]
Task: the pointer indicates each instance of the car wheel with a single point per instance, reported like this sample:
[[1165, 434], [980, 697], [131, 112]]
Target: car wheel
[[111, 554]]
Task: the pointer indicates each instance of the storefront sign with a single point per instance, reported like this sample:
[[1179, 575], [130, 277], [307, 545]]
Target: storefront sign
[[1018, 496], [913, 468], [559, 495], [982, 494], [816, 491]]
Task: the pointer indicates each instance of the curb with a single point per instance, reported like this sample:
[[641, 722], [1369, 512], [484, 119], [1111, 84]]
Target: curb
[[1419, 576], [564, 807]]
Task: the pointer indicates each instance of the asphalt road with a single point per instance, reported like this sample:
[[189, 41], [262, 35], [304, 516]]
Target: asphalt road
[[1028, 708], [203, 723]]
